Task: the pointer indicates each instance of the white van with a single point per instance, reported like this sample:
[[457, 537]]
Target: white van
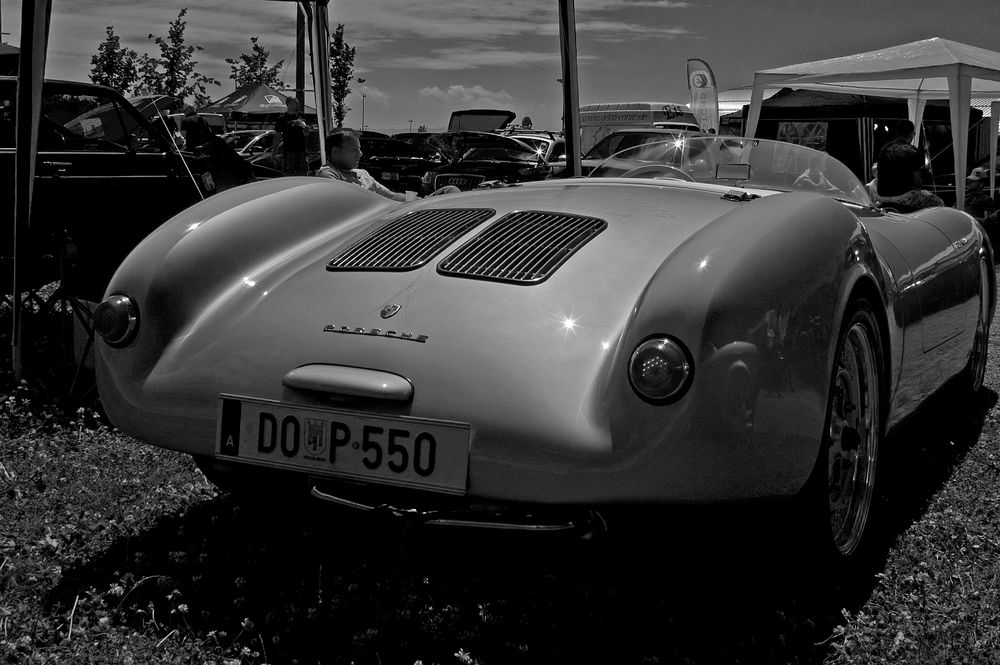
[[599, 120]]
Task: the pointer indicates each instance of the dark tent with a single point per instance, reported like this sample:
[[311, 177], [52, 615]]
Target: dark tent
[[854, 127], [9, 56], [254, 99]]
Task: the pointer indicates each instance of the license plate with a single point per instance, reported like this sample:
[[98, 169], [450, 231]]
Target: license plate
[[415, 452], [390, 175]]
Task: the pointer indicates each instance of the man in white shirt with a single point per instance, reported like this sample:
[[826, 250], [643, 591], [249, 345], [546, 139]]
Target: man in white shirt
[[343, 154]]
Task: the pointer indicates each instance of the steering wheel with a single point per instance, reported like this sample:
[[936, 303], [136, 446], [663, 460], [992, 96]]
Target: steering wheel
[[657, 171]]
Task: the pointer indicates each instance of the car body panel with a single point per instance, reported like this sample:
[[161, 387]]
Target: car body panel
[[754, 282]]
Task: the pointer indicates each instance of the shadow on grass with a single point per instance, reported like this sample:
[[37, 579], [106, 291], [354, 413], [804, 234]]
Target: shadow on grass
[[327, 586]]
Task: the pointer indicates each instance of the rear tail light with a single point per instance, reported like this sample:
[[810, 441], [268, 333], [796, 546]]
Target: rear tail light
[[660, 369], [116, 319]]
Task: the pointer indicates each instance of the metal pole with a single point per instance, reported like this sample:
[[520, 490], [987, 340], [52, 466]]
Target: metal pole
[[363, 95], [570, 88], [35, 16], [300, 59]]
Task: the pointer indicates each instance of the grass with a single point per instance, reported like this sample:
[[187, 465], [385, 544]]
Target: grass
[[112, 551]]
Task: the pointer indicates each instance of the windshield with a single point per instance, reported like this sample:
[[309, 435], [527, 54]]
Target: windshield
[[240, 141], [738, 162], [499, 155]]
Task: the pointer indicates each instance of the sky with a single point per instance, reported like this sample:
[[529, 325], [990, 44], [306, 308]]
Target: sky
[[422, 59]]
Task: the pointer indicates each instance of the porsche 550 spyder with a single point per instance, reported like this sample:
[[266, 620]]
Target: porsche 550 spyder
[[694, 323]]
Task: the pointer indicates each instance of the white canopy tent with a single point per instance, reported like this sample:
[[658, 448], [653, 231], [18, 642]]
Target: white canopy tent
[[932, 68]]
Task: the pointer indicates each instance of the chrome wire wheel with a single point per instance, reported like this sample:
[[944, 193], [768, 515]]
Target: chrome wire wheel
[[853, 434]]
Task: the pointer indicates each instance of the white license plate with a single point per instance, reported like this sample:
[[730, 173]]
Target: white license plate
[[415, 452]]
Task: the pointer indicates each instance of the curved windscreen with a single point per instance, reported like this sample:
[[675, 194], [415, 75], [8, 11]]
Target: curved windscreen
[[738, 162]]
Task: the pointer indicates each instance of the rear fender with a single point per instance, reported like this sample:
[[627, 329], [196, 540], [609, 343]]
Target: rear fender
[[227, 240]]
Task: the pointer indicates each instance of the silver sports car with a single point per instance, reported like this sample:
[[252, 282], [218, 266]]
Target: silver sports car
[[705, 320]]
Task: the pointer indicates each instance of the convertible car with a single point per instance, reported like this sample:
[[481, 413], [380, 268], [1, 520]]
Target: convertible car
[[702, 327]]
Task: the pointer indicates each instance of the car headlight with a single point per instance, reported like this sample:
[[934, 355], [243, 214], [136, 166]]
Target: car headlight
[[116, 319], [427, 178], [660, 369]]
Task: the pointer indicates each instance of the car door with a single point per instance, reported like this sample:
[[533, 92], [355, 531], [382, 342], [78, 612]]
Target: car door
[[104, 180]]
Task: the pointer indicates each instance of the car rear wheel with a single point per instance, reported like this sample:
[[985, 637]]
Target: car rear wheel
[[975, 371], [842, 487]]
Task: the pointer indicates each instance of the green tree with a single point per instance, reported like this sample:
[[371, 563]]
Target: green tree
[[173, 73], [341, 72], [114, 65], [253, 68]]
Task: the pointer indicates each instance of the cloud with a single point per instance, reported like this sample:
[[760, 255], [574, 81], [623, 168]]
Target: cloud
[[473, 58], [477, 21], [460, 95]]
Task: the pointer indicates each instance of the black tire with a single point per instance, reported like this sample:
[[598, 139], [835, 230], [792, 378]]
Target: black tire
[[972, 377], [841, 493]]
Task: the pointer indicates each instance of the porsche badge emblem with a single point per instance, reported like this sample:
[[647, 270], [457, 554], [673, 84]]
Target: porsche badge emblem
[[389, 310]]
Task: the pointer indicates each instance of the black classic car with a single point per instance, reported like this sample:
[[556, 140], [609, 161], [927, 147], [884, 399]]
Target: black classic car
[[398, 165], [474, 159], [104, 179]]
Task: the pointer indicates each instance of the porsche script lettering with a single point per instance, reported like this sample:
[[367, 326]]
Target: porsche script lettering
[[375, 332]]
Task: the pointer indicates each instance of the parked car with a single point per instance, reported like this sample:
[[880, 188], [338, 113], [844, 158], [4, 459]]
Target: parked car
[[472, 159], [105, 178], [522, 356], [550, 146], [250, 142], [616, 142], [398, 165]]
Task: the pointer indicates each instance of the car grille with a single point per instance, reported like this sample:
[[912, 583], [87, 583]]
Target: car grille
[[410, 241], [463, 181], [522, 248]]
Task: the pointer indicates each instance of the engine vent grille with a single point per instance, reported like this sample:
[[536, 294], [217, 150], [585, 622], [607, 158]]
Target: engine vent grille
[[410, 241], [522, 248]]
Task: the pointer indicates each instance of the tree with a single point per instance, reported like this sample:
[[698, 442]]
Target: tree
[[341, 73], [114, 65], [254, 67], [422, 128], [173, 73]]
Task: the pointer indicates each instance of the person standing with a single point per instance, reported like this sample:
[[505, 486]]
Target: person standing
[[195, 129], [900, 168], [292, 130]]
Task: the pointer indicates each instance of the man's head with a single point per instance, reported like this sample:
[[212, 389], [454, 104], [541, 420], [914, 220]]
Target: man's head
[[188, 110], [292, 104], [905, 130], [343, 149]]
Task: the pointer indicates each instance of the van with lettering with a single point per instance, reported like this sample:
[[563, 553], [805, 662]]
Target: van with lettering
[[599, 120]]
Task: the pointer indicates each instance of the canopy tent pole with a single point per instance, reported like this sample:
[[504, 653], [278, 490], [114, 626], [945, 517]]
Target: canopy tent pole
[[319, 52], [959, 100], [35, 16], [915, 110], [756, 100], [994, 120], [570, 86]]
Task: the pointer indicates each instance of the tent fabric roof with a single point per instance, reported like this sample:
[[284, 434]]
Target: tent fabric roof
[[898, 71], [253, 99], [932, 68]]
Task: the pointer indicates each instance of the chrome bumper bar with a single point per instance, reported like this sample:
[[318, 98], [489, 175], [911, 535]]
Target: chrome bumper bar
[[588, 522]]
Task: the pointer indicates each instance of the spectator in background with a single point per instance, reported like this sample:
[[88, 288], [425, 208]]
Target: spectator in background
[[978, 202], [900, 173], [291, 148], [343, 154], [195, 129]]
